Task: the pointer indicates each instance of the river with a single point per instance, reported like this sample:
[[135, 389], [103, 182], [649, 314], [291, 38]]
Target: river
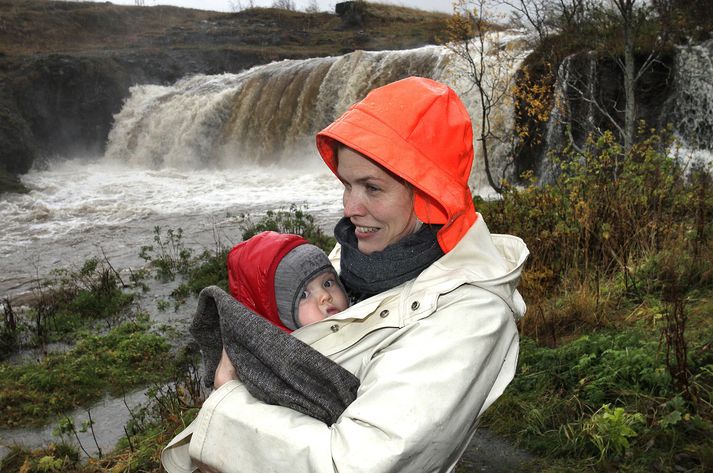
[[79, 209]]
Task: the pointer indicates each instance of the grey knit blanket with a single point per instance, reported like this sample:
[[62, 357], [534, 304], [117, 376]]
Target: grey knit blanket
[[275, 367]]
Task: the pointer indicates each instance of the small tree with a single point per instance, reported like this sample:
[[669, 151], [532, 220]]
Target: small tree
[[240, 5], [470, 34], [312, 7], [630, 18], [284, 4]]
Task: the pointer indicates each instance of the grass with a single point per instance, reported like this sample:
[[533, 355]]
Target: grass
[[31, 26], [127, 357], [151, 427], [40, 26]]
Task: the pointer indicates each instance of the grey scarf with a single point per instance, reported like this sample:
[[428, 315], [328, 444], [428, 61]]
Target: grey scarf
[[275, 367], [367, 275]]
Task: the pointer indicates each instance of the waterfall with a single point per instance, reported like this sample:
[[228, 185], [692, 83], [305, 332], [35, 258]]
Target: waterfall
[[573, 114], [554, 138], [689, 108], [268, 115], [692, 99]]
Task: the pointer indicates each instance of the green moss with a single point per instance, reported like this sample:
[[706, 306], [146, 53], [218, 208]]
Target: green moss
[[128, 356]]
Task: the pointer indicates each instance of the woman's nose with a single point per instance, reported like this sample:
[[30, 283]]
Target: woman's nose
[[353, 205]]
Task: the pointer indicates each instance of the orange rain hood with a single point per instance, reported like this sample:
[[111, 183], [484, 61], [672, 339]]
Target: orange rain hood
[[418, 129]]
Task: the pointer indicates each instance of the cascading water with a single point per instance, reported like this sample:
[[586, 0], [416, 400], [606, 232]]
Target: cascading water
[[269, 114], [265, 115], [689, 108], [692, 100], [555, 131], [569, 120]]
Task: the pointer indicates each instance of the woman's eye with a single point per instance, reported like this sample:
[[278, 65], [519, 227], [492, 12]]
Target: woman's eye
[[371, 188]]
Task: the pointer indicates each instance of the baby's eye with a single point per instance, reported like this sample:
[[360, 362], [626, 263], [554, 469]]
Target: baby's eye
[[329, 283], [304, 295]]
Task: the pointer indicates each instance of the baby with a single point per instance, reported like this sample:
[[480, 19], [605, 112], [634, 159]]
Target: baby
[[279, 277], [278, 283], [284, 279]]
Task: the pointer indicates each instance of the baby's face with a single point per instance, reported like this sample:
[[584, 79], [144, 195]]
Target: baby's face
[[322, 297]]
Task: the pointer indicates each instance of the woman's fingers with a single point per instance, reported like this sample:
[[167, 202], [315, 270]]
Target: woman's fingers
[[225, 371]]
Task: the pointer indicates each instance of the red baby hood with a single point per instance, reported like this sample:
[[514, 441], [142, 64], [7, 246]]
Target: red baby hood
[[420, 130], [251, 271]]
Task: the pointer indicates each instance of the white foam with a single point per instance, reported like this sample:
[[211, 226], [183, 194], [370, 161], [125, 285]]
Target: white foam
[[75, 208]]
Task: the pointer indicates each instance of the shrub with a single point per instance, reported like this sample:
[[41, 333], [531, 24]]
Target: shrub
[[210, 268], [295, 220], [610, 215], [606, 432], [168, 255]]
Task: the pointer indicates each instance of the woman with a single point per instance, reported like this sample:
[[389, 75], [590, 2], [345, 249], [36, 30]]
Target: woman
[[431, 336]]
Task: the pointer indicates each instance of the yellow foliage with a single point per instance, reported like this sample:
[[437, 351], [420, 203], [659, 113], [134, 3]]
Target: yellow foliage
[[534, 96], [26, 466]]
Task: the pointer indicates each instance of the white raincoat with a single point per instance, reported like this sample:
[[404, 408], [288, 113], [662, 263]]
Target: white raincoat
[[431, 355]]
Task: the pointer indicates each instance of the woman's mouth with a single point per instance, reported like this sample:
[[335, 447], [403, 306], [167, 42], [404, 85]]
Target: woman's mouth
[[361, 229]]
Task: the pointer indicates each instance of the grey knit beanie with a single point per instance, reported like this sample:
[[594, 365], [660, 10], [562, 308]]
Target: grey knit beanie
[[297, 268]]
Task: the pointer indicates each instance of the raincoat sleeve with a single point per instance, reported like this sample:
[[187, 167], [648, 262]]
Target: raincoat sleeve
[[421, 392]]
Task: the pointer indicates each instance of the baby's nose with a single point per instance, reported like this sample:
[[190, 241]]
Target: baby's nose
[[325, 296]]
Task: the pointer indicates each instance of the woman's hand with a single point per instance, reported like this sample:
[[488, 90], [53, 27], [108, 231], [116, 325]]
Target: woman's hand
[[224, 372]]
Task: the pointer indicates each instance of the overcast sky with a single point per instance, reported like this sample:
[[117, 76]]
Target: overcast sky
[[324, 5]]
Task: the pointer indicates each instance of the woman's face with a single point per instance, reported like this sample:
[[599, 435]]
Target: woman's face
[[378, 204]]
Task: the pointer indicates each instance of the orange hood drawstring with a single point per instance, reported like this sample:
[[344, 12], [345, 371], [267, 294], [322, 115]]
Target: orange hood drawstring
[[420, 130]]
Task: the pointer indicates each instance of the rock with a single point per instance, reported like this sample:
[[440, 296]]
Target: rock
[[17, 149], [11, 183], [351, 13], [491, 454]]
